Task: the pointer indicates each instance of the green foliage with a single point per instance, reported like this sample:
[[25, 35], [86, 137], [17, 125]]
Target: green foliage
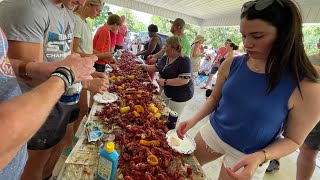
[[311, 38], [100, 20], [139, 27], [191, 31], [163, 24], [132, 22], [216, 36]]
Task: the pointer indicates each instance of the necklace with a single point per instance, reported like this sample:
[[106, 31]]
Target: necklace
[[255, 67]]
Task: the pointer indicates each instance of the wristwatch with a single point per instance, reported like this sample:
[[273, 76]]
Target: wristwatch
[[165, 82]]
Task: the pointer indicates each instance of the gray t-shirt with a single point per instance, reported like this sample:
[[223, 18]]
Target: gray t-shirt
[[39, 21], [83, 31], [9, 88]]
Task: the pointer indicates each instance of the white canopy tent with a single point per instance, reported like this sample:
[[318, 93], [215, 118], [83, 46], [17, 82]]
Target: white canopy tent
[[207, 13]]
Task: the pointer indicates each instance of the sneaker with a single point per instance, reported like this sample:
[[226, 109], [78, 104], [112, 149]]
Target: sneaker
[[273, 166]]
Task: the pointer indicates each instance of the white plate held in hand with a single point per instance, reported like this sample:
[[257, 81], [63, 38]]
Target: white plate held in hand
[[105, 98], [185, 146]]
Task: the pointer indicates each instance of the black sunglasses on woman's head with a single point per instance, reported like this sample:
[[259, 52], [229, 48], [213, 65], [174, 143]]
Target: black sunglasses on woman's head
[[259, 4]]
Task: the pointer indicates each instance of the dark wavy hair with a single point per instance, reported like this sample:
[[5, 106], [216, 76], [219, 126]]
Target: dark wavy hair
[[287, 54], [234, 46]]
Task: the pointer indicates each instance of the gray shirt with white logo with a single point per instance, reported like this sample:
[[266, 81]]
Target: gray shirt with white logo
[[39, 21]]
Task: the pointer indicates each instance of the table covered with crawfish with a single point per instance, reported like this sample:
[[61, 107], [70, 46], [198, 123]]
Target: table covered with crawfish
[[137, 123]]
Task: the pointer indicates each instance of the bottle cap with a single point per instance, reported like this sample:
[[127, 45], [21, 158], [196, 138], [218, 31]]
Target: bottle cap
[[110, 147]]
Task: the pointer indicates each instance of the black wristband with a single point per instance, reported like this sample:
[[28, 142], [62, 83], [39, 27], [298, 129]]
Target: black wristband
[[65, 73], [165, 82], [69, 70], [66, 82]]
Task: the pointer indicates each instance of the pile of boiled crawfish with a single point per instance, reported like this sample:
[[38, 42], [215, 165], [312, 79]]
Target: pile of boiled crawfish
[[144, 151]]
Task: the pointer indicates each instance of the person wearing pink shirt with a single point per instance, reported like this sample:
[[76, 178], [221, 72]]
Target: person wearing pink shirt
[[122, 31], [216, 62]]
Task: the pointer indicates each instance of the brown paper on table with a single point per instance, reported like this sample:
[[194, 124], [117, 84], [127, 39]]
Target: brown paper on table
[[83, 153]]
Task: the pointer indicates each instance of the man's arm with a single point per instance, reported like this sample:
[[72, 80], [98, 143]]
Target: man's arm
[[26, 52], [159, 54], [152, 45], [76, 42], [21, 117]]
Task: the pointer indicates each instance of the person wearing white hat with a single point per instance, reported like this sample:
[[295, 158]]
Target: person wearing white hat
[[196, 54]]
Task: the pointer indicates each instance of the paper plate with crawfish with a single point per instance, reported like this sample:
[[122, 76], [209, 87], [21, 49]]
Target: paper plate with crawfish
[[105, 98], [185, 146]]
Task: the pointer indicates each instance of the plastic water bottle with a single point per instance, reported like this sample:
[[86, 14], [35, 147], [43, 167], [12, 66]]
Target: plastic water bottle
[[72, 95], [108, 162]]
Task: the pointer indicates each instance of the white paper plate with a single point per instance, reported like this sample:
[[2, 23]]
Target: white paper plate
[[105, 98], [185, 146]]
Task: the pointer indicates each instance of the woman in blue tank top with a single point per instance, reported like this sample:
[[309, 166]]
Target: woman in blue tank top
[[152, 47], [273, 88]]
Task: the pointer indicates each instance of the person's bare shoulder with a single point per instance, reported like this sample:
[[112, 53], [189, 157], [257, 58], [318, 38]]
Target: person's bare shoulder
[[308, 96]]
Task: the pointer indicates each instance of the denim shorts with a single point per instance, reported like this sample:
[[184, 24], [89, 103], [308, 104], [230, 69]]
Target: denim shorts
[[54, 128]]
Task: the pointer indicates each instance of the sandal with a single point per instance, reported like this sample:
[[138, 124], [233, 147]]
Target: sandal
[[274, 165]]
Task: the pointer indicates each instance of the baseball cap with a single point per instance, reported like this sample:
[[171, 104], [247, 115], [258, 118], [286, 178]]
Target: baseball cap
[[178, 22]]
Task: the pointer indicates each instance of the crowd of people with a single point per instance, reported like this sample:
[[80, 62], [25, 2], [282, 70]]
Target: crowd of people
[[262, 107]]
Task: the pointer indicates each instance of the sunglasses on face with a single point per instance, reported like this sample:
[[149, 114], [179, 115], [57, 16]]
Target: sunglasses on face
[[259, 4]]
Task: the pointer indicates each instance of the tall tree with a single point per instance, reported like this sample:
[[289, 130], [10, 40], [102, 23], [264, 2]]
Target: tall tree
[[132, 22], [139, 27], [216, 36], [191, 31], [131, 18], [163, 24]]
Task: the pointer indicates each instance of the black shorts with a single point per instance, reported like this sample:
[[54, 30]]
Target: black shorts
[[313, 138], [54, 128], [117, 47], [214, 70], [100, 67]]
